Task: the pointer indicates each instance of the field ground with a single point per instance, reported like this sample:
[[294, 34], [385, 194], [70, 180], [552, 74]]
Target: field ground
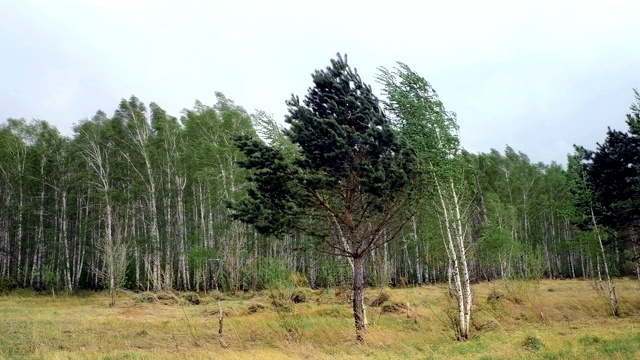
[[561, 319]]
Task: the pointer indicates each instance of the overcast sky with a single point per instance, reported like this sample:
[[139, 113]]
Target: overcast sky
[[536, 75]]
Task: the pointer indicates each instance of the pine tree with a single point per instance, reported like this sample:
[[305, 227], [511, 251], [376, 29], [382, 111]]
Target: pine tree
[[350, 182]]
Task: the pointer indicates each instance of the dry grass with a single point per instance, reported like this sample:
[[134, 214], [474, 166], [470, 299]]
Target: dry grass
[[564, 319]]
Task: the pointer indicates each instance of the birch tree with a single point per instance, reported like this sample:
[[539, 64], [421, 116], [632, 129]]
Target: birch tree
[[585, 216], [133, 115], [97, 151], [13, 155], [432, 132]]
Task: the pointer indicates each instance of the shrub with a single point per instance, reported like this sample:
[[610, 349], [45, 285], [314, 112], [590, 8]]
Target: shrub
[[274, 275], [299, 280], [298, 297], [145, 297], [402, 282], [589, 339], [393, 308], [165, 296], [382, 298], [254, 308], [533, 343], [7, 284], [191, 297]]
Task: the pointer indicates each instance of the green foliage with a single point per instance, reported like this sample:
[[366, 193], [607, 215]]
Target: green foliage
[[7, 284], [191, 297], [535, 263], [590, 339], [55, 192], [532, 342], [273, 275], [145, 297], [199, 256], [497, 245], [273, 202], [606, 182], [50, 279], [347, 150]]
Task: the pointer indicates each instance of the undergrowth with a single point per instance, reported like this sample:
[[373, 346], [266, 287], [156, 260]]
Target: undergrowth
[[562, 319]]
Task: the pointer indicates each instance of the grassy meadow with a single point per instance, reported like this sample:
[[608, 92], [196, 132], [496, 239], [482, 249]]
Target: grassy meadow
[[550, 319]]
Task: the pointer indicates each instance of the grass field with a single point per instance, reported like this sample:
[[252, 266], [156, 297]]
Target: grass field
[[561, 319]]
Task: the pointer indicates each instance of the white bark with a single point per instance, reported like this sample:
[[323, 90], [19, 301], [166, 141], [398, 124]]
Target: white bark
[[97, 159], [181, 233], [636, 255], [456, 250], [613, 300], [140, 136], [462, 250], [65, 240]]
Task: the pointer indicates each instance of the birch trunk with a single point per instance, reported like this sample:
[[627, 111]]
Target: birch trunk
[[110, 259], [65, 240], [36, 271], [460, 235], [636, 255], [458, 268], [181, 234], [140, 135], [613, 300]]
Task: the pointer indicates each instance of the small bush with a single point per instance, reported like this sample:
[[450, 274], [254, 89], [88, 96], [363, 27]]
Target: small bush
[[393, 308], [494, 296], [517, 291], [282, 306], [533, 343], [334, 311], [145, 298], [274, 275], [280, 297], [165, 296], [24, 292], [254, 308], [7, 284], [402, 282], [344, 295], [225, 313], [298, 297], [589, 340], [299, 280], [191, 297], [382, 298]]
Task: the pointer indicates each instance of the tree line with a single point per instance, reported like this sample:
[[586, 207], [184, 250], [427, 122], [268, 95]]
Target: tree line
[[141, 199]]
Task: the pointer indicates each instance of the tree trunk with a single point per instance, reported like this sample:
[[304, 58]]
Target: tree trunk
[[636, 256], [358, 297], [458, 268], [36, 272], [613, 300], [19, 236], [155, 235], [466, 280], [65, 240], [109, 252], [181, 233]]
